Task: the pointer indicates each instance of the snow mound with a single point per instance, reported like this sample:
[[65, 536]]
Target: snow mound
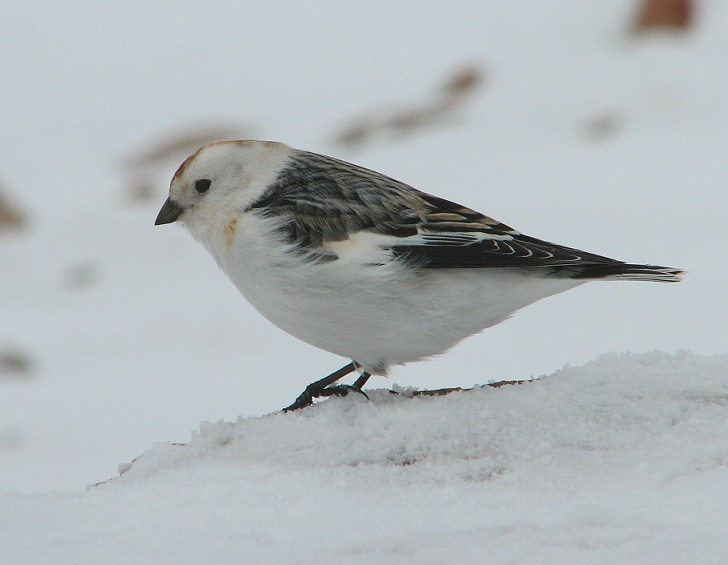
[[582, 415], [622, 460]]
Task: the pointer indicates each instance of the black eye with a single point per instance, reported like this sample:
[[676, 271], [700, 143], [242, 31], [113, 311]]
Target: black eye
[[202, 185]]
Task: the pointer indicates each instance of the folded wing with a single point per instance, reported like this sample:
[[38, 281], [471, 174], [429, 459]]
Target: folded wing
[[320, 200]]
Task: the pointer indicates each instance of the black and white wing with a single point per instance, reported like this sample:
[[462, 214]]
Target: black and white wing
[[321, 200]]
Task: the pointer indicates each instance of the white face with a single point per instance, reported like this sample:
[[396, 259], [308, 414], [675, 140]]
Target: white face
[[220, 179]]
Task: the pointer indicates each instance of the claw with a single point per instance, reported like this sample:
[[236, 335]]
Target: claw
[[322, 387], [341, 390]]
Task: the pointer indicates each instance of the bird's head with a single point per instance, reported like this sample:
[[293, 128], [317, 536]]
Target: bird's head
[[221, 179]]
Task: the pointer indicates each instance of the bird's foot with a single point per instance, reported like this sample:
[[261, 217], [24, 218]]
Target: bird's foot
[[341, 390], [303, 400], [325, 387], [306, 397]]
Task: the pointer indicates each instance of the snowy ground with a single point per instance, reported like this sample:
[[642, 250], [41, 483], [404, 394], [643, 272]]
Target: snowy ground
[[623, 460], [583, 134]]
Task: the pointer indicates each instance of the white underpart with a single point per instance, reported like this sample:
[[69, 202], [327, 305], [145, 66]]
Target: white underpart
[[362, 248], [376, 314]]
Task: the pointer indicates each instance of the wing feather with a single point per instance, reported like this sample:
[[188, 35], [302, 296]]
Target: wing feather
[[320, 200]]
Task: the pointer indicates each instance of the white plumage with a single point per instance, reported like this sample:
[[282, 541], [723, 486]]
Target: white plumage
[[359, 264]]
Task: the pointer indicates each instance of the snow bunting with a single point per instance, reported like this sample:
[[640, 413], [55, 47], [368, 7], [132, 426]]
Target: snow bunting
[[362, 265]]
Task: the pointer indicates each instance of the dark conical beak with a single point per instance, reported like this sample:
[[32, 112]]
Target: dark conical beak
[[169, 213]]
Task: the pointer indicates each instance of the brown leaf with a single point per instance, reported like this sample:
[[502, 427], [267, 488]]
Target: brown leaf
[[675, 14], [403, 119], [10, 216]]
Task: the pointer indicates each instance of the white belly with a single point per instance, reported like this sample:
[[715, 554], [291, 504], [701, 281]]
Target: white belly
[[375, 315]]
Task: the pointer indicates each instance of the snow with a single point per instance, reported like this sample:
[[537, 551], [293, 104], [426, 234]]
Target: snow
[[583, 134], [621, 460]]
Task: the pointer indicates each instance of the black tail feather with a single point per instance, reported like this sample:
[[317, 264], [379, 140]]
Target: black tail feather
[[623, 271]]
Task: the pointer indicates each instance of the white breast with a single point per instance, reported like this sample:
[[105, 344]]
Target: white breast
[[377, 315]]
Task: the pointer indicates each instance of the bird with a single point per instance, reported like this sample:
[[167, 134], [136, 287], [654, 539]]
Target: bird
[[362, 265]]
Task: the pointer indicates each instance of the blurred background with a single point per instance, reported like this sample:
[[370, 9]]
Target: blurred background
[[598, 125]]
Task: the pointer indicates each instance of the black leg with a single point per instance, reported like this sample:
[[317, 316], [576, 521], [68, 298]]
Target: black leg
[[343, 390], [315, 389], [362, 380]]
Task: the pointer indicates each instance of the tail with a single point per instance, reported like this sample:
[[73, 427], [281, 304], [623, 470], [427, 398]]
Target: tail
[[624, 271]]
